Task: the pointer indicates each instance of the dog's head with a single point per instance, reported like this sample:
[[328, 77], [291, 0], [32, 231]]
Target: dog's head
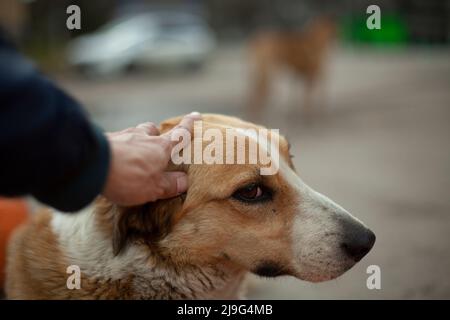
[[268, 224]]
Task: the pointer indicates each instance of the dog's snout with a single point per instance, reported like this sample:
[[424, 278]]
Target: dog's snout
[[357, 242]]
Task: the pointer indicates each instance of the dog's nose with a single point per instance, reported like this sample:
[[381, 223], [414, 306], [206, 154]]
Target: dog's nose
[[358, 242]]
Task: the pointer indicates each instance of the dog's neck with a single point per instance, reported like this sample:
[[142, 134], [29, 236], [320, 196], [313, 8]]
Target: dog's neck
[[137, 272], [189, 282]]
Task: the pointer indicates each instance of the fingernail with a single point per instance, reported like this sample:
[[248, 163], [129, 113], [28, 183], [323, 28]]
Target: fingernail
[[182, 183], [195, 114]]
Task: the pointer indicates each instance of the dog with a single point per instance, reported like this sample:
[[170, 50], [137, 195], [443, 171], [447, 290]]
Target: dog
[[302, 52], [200, 245]]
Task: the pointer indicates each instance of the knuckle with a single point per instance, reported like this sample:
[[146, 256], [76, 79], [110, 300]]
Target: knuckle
[[182, 127], [128, 137], [165, 144], [149, 125]]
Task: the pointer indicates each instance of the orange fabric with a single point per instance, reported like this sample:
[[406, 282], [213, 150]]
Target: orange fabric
[[13, 212]]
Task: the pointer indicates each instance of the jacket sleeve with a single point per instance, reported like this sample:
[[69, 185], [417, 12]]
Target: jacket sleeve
[[48, 148]]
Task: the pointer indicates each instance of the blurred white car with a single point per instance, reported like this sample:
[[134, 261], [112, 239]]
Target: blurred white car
[[161, 39]]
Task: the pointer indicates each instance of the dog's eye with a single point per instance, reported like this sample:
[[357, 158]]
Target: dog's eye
[[252, 193]]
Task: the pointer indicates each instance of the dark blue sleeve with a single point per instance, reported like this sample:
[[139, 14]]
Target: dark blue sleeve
[[48, 148]]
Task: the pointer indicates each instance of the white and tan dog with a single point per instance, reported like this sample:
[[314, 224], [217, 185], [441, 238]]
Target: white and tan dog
[[200, 245]]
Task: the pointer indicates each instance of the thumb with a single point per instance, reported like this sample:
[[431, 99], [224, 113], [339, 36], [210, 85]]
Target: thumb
[[173, 184]]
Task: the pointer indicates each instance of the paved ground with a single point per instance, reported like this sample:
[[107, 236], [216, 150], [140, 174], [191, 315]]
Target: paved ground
[[382, 150]]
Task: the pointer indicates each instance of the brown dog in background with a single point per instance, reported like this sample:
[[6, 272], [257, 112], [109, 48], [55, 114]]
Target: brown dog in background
[[300, 51]]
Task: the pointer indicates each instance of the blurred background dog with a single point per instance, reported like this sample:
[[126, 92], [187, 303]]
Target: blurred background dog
[[302, 52]]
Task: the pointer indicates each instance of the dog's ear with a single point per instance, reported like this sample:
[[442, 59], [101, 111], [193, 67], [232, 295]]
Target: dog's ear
[[151, 222], [147, 224]]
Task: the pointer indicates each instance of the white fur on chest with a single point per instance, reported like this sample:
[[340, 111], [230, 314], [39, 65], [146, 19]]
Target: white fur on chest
[[83, 244]]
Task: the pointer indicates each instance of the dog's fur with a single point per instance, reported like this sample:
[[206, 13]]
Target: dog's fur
[[198, 245], [302, 52]]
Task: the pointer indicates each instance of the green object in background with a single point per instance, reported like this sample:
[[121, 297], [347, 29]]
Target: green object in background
[[393, 31]]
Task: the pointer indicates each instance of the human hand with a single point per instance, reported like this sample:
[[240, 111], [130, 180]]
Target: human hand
[[139, 158]]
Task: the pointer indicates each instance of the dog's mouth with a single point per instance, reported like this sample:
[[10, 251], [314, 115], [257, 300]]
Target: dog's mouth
[[324, 272], [271, 269]]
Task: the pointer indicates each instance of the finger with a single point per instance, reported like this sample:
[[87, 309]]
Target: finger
[[149, 128], [173, 184], [185, 126]]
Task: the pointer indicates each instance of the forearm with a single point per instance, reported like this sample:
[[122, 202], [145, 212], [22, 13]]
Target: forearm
[[48, 148]]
